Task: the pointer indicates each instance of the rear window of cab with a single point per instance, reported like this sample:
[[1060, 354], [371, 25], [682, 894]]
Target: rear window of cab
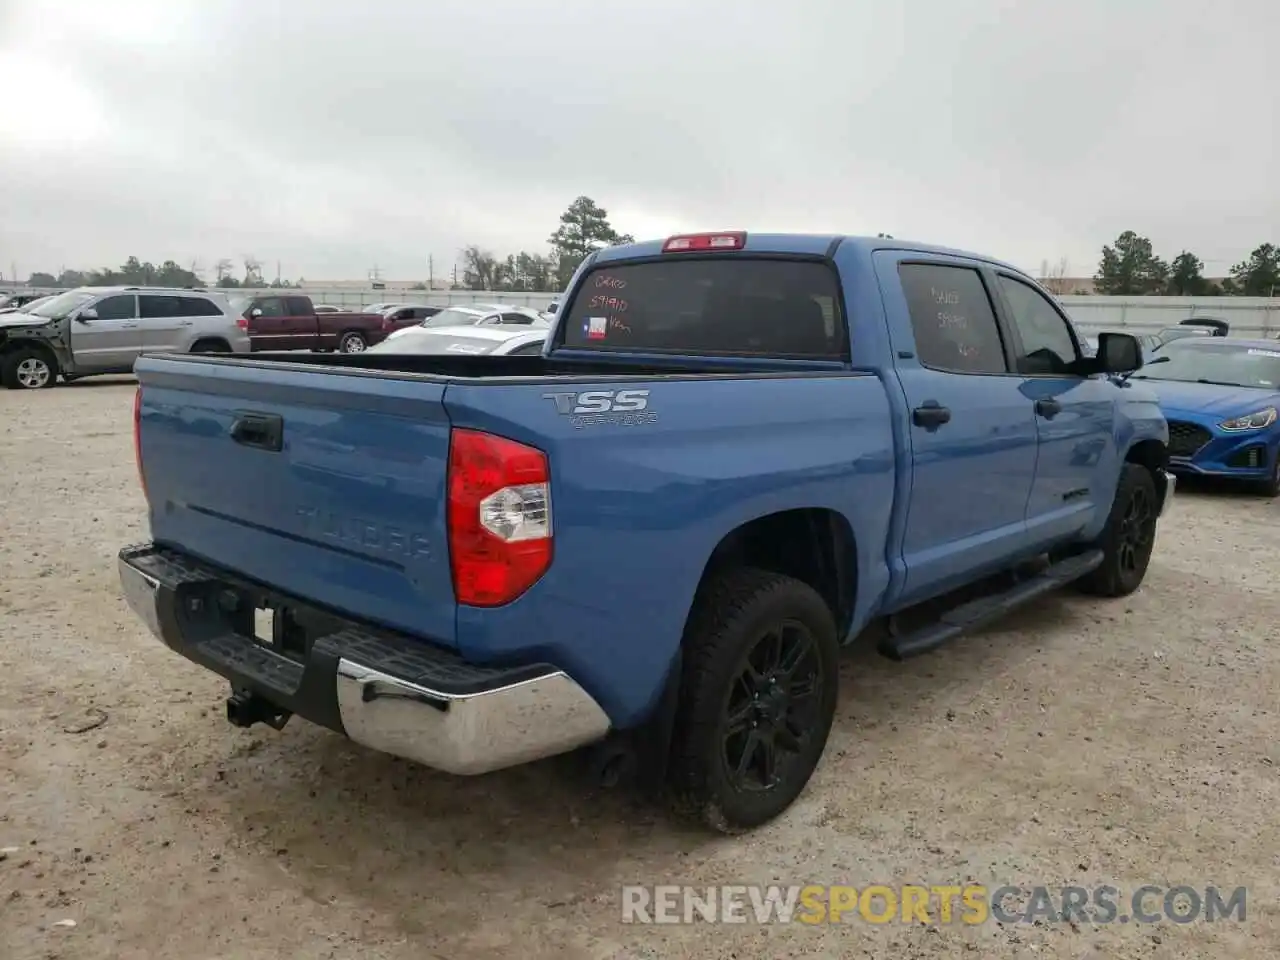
[[718, 306]]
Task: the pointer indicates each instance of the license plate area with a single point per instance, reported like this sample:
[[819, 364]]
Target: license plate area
[[276, 628], [284, 625]]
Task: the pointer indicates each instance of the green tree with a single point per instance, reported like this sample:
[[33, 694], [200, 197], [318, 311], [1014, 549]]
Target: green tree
[[135, 273], [1259, 276], [1130, 268], [41, 279], [1186, 276], [583, 227], [480, 269], [536, 272]]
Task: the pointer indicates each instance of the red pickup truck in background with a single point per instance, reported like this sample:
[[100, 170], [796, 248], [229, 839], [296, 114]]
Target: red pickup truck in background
[[288, 321]]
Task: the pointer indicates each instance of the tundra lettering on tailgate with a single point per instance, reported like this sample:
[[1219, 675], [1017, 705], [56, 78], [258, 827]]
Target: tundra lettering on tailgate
[[365, 536], [626, 408]]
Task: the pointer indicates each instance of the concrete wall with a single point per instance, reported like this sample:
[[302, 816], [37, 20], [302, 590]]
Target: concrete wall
[[353, 298], [1248, 316]]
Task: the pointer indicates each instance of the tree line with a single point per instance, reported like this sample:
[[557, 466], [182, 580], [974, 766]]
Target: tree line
[[584, 227], [1130, 267], [143, 273]]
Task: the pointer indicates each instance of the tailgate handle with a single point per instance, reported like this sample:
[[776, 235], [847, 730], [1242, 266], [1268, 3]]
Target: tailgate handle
[[262, 430]]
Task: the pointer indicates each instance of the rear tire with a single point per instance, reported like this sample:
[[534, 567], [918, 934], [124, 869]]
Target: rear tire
[[352, 342], [28, 368], [1128, 538], [757, 698], [211, 346]]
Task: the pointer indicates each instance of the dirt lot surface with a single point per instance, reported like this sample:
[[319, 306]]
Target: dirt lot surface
[[1081, 742]]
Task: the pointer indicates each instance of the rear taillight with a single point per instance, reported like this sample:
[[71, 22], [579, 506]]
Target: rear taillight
[[137, 438], [242, 322], [499, 517]]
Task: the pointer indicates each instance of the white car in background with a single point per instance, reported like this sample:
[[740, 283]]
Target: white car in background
[[478, 315], [473, 339]]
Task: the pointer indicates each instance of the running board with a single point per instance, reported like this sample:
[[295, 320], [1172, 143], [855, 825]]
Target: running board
[[984, 610]]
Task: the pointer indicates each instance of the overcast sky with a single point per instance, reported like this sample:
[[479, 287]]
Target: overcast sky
[[340, 135]]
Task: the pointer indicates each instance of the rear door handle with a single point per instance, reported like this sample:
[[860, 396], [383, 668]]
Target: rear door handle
[[185, 323], [1048, 408], [930, 415], [263, 431]]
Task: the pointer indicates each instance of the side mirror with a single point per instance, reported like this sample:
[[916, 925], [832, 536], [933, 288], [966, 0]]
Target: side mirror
[[1118, 353], [553, 307], [255, 312], [84, 316]]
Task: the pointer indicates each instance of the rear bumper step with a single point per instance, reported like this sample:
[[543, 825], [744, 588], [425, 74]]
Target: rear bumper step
[[385, 691]]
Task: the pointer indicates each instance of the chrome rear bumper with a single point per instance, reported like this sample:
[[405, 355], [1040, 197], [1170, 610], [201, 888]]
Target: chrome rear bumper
[[388, 692]]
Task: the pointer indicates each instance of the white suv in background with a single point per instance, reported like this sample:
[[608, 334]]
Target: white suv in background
[[103, 330]]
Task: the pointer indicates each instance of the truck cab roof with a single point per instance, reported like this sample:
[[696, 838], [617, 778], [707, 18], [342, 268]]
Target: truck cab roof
[[803, 244]]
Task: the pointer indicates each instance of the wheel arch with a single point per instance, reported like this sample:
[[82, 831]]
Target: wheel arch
[[815, 545]]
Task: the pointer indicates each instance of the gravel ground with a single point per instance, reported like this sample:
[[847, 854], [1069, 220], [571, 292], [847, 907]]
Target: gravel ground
[[1080, 742]]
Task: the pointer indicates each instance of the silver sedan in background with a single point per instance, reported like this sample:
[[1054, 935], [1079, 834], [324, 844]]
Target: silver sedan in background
[[474, 340]]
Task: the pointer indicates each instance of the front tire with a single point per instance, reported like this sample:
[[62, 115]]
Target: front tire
[[1271, 486], [28, 369], [757, 699], [1128, 538], [352, 342]]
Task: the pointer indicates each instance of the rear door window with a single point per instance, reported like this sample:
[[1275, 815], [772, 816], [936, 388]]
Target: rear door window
[[299, 307], [726, 306], [952, 318], [155, 306]]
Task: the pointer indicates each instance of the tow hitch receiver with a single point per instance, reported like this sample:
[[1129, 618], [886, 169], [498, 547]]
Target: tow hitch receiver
[[244, 709]]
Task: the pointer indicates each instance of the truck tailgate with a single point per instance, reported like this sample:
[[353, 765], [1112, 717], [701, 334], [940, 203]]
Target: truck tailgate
[[313, 484]]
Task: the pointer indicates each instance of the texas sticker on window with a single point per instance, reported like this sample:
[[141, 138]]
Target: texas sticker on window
[[596, 327]]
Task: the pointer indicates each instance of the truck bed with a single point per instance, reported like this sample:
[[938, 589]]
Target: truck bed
[[346, 503], [489, 367]]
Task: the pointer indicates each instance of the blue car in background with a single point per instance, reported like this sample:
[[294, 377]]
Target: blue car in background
[[1220, 397]]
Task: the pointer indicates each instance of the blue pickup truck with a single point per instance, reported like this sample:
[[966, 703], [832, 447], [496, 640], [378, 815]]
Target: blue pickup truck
[[650, 542]]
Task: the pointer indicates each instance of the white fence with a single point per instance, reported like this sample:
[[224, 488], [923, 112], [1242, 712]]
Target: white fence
[[1248, 316]]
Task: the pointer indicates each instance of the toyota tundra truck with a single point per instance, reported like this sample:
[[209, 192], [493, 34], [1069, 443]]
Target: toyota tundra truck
[[649, 543]]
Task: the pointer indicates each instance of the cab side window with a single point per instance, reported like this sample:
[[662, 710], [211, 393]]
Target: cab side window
[[271, 307], [952, 318], [1048, 347]]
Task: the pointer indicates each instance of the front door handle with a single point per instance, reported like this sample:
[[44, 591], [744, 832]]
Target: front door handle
[[1048, 408], [930, 415]]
